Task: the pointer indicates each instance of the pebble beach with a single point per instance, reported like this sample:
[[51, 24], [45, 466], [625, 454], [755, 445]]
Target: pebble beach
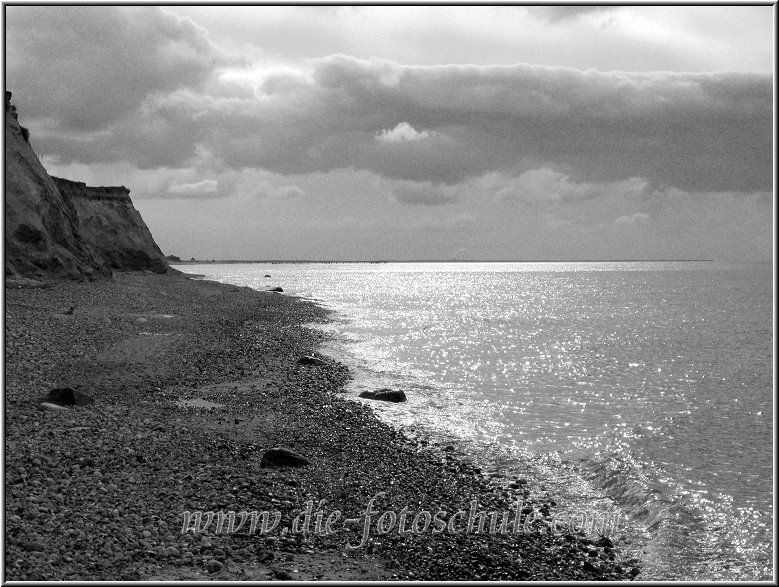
[[193, 382]]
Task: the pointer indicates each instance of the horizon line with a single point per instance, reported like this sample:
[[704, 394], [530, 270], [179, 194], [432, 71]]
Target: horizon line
[[344, 261]]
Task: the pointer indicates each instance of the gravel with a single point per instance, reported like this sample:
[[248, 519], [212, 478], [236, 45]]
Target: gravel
[[100, 491]]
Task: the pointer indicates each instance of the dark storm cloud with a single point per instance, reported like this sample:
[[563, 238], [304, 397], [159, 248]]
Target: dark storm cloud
[[438, 124], [84, 67], [703, 131]]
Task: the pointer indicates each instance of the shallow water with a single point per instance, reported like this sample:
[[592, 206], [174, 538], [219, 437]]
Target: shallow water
[[648, 385]]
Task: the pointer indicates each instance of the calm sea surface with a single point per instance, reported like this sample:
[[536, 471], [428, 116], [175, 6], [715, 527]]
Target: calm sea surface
[[646, 387]]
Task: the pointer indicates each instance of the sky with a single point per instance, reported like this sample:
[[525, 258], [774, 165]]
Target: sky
[[413, 132]]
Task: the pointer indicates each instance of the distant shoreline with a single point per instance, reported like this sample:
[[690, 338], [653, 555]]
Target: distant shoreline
[[320, 262]]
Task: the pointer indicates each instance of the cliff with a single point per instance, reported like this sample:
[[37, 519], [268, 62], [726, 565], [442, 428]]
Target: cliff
[[112, 227], [55, 228]]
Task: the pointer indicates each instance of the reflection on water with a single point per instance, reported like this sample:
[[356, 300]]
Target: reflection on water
[[651, 382]]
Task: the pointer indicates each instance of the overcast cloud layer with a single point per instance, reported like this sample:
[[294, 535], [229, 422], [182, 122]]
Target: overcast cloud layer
[[154, 100]]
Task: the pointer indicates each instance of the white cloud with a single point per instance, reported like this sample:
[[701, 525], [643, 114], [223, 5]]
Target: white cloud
[[259, 184], [632, 219], [283, 192], [547, 185], [205, 186], [401, 133]]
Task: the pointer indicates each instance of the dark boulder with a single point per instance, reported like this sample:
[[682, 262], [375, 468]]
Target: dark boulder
[[605, 542], [283, 457], [385, 395], [266, 275], [65, 396], [592, 568], [214, 566], [277, 288], [308, 360]]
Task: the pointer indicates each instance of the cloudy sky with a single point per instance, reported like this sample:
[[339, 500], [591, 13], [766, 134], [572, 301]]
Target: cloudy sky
[[504, 132]]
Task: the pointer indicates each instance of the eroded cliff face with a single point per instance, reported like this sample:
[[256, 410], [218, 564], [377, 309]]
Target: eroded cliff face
[[56, 228], [112, 227], [42, 236]]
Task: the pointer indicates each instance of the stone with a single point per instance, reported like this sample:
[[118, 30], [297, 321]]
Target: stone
[[604, 542], [385, 395], [277, 288], [214, 566], [308, 360], [33, 546], [588, 566], [65, 396], [283, 457], [50, 406]]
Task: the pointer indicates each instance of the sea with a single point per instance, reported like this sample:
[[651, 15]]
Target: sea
[[643, 388]]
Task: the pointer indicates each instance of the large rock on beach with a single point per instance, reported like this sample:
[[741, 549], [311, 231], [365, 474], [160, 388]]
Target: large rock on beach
[[65, 396], [385, 395], [308, 360], [283, 457]]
